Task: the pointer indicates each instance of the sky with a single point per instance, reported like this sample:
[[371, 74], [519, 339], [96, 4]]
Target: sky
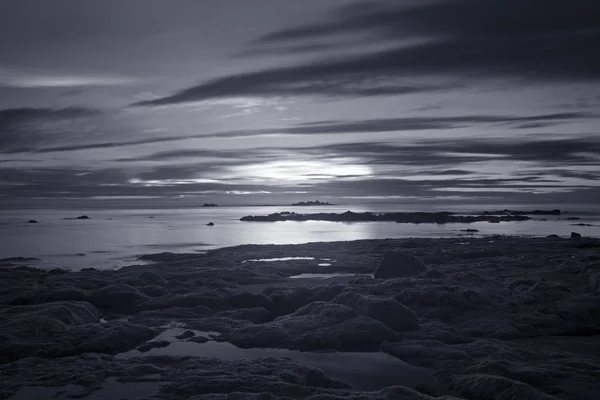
[[176, 103]]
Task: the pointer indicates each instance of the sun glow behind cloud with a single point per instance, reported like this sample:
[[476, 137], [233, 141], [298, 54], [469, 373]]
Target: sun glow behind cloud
[[302, 171]]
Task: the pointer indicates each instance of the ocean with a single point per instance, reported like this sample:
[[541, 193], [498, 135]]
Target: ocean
[[111, 239]]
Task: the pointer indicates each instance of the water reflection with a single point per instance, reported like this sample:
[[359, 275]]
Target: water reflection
[[110, 243], [362, 371]]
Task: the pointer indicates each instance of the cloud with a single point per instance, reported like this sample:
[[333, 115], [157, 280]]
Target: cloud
[[431, 46], [22, 128]]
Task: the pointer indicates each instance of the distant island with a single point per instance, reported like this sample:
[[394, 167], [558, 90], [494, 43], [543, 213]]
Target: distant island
[[312, 203], [534, 212], [398, 217], [209, 205]]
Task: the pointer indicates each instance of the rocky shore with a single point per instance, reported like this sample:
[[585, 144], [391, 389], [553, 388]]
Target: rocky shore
[[467, 318]]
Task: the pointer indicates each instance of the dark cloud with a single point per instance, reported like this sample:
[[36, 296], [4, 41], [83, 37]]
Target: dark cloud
[[22, 127], [540, 41], [436, 153], [309, 128]]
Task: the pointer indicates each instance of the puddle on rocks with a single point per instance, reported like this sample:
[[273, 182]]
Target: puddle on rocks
[[321, 276], [111, 389], [277, 259], [360, 370]]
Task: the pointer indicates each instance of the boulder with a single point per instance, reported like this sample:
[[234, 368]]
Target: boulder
[[399, 265], [210, 224], [117, 297], [576, 236], [385, 310]]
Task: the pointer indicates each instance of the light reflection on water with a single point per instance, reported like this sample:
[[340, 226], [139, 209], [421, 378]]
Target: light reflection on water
[[113, 238]]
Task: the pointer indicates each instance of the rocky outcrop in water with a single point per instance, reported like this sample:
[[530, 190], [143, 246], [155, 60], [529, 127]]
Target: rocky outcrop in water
[[312, 203], [513, 212], [406, 218]]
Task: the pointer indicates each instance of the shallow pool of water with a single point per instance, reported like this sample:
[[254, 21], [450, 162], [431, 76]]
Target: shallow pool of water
[[320, 276], [361, 370]]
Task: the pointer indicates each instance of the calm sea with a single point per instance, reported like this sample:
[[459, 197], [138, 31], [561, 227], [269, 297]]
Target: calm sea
[[114, 238]]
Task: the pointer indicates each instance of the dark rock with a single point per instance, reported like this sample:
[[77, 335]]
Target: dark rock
[[153, 345], [32, 221], [470, 230], [210, 224], [250, 300], [553, 236], [186, 335], [575, 235], [312, 203], [117, 297], [209, 205], [385, 310], [83, 217], [400, 217], [399, 265], [18, 259]]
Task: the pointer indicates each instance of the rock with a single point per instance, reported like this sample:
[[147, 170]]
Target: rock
[[470, 230], [399, 265], [32, 221], [250, 300], [481, 386], [18, 259], [330, 325], [186, 335], [153, 345], [553, 236], [210, 224], [433, 274], [118, 297], [83, 217], [385, 310], [576, 236], [209, 205]]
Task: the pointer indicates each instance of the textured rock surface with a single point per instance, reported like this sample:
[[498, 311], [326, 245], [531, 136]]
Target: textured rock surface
[[399, 265], [494, 318]]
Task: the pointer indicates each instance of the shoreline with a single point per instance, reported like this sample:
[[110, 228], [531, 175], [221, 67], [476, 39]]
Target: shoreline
[[485, 313]]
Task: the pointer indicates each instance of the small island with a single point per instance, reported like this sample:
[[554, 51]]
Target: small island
[[513, 212], [443, 217], [312, 203], [209, 205]]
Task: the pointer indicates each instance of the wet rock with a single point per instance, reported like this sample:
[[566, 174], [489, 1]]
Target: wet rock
[[330, 325], [399, 265], [250, 300], [118, 297], [153, 345], [481, 386], [385, 310], [186, 335], [210, 224]]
